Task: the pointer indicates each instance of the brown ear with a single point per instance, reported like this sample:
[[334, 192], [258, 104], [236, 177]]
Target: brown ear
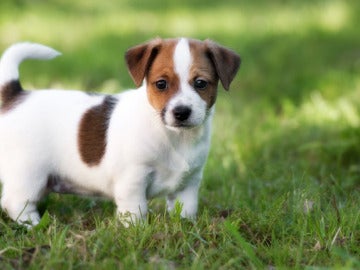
[[226, 62], [139, 59]]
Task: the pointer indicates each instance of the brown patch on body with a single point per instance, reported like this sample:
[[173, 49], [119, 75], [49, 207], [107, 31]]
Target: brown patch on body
[[12, 94], [93, 130]]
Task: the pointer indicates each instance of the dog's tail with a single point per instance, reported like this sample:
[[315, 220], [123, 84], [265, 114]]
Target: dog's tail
[[14, 55]]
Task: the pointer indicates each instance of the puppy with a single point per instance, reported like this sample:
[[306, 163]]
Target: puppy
[[128, 147]]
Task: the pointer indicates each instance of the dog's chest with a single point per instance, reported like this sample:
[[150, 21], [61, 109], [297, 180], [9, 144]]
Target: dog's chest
[[175, 166]]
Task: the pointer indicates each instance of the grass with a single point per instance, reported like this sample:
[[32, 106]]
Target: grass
[[282, 184]]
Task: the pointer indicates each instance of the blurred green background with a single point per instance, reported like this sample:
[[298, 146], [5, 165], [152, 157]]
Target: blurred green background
[[286, 134]]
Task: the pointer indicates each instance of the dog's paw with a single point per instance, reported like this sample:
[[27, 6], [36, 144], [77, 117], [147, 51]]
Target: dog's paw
[[128, 219], [29, 220]]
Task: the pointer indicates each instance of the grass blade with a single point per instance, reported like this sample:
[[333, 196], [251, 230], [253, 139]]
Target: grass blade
[[246, 247]]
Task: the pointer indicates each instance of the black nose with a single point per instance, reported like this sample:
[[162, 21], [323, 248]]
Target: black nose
[[181, 113]]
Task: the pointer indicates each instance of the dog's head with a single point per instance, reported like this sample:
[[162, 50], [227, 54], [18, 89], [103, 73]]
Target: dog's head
[[181, 77]]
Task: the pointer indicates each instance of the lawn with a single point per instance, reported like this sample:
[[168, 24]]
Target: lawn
[[281, 188]]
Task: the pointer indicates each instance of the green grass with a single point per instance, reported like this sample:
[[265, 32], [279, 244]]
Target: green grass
[[281, 188]]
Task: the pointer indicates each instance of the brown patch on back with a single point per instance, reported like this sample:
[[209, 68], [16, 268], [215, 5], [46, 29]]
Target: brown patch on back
[[12, 94], [93, 130], [162, 68], [203, 68]]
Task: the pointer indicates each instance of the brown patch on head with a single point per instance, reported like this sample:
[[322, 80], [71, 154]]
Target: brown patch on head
[[202, 68], [154, 60], [12, 94], [139, 59], [212, 62], [226, 62], [93, 130], [163, 68]]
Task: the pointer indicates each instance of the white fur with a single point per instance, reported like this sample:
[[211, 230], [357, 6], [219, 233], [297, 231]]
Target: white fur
[[14, 55], [143, 158]]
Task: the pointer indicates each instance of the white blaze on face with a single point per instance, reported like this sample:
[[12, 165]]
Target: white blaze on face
[[187, 95], [182, 59]]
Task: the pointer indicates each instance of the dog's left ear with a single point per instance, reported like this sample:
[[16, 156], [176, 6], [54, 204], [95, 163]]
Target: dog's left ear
[[139, 59], [226, 62]]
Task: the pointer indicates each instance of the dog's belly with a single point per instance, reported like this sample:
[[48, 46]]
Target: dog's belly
[[62, 185]]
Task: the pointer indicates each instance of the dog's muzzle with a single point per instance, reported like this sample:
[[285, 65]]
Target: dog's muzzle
[[181, 113], [178, 117]]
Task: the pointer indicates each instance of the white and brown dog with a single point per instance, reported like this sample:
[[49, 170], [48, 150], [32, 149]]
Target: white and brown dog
[[128, 147]]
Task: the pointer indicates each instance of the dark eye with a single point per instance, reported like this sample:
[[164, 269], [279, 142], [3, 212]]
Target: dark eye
[[161, 84], [200, 84]]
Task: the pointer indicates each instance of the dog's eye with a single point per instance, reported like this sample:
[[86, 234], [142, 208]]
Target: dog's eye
[[200, 84], [161, 84]]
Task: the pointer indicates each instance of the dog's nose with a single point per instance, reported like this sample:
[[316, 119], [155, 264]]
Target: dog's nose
[[181, 113]]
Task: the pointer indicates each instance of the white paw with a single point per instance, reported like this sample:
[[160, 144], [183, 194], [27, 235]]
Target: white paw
[[29, 220], [128, 219]]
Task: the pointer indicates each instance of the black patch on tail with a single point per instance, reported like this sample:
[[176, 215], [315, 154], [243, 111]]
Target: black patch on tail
[[12, 94]]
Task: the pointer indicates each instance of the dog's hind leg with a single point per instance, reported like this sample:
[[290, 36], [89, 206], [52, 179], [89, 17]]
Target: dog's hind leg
[[20, 195]]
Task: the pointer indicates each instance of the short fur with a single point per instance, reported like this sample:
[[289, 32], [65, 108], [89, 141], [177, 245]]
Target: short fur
[[127, 147]]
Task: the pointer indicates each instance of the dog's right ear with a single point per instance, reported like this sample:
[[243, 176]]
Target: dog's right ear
[[140, 58]]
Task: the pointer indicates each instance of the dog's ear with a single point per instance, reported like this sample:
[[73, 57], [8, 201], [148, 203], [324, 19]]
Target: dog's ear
[[226, 62], [139, 59]]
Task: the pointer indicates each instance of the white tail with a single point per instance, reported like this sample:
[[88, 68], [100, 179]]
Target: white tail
[[14, 55]]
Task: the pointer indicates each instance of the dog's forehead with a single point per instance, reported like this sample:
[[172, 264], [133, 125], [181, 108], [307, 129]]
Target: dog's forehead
[[182, 58], [181, 54]]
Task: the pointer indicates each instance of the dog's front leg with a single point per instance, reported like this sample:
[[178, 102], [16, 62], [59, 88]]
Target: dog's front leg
[[187, 197], [130, 195]]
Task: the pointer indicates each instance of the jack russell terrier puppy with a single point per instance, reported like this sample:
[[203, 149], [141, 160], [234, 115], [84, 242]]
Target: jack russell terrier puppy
[[128, 147]]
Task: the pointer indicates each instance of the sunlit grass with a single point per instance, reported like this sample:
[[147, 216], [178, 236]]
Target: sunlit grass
[[86, 20], [342, 112]]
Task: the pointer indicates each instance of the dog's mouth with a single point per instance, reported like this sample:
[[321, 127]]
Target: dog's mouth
[[180, 126], [180, 122], [177, 125]]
